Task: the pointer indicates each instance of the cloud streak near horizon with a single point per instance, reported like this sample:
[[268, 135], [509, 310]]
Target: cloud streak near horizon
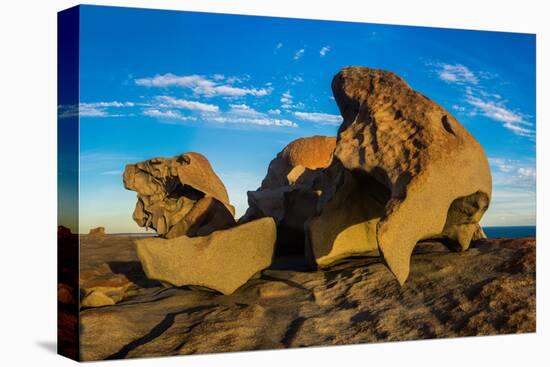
[[202, 86], [479, 101]]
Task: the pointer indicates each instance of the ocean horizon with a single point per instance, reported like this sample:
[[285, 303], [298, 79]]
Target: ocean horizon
[[490, 231], [510, 231]]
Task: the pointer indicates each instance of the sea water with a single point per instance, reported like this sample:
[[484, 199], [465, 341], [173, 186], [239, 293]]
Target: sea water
[[510, 232]]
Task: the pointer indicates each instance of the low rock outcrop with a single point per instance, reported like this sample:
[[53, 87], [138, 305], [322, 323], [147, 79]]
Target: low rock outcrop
[[223, 260], [99, 231], [99, 286], [179, 196]]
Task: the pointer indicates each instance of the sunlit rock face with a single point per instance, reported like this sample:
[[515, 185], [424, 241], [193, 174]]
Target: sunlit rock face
[[179, 196], [222, 261], [297, 183], [437, 174]]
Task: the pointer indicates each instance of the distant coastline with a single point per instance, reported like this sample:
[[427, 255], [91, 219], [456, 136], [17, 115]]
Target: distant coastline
[[510, 231]]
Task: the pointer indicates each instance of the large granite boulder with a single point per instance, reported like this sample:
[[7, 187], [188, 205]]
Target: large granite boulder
[[179, 196], [296, 182], [436, 173], [223, 260]]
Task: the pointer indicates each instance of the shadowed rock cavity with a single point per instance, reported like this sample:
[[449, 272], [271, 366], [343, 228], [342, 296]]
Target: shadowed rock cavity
[[436, 172], [346, 224], [298, 181], [179, 196], [322, 210]]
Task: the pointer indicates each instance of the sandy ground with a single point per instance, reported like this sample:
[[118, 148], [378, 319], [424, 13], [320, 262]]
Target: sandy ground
[[487, 290]]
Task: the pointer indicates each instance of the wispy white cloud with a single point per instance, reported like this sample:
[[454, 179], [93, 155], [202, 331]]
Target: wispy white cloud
[[167, 115], [514, 192], [93, 109], [320, 118], [279, 46], [299, 54], [497, 110], [458, 108], [324, 50], [287, 101], [286, 97], [274, 112], [115, 172], [514, 173], [456, 73], [86, 111], [480, 101], [201, 85], [246, 115], [167, 101], [109, 104], [244, 110], [241, 114]]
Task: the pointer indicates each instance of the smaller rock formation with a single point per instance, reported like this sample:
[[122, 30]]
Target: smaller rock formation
[[293, 188], [179, 196], [223, 260], [100, 287], [63, 232], [99, 231]]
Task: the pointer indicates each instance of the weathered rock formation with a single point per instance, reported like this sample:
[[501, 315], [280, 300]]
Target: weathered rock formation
[[223, 260], [402, 170], [437, 174], [296, 183], [179, 196], [99, 231]]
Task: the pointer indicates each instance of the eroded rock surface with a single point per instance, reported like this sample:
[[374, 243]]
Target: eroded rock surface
[[179, 196], [487, 290], [297, 180], [437, 174], [223, 260], [346, 224], [99, 286]]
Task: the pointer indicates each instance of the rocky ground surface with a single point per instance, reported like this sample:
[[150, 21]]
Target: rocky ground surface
[[490, 289]]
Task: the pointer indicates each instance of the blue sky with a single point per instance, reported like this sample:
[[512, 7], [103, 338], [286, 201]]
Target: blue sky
[[239, 88]]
